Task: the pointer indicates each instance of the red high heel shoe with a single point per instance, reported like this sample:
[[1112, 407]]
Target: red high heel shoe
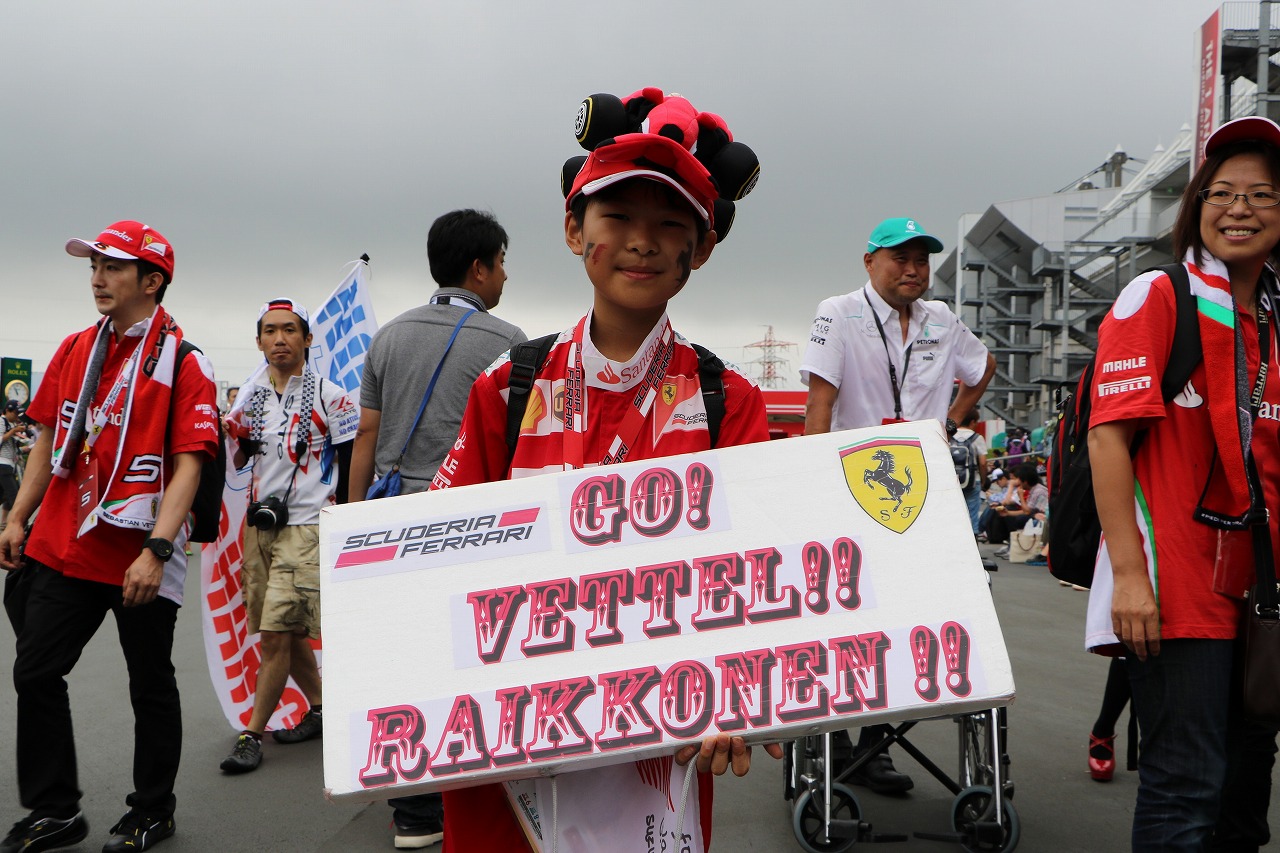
[[1102, 769]]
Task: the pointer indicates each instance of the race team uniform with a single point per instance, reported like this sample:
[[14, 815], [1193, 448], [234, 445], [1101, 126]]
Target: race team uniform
[[281, 567], [846, 347], [1198, 596], [146, 408], [608, 808]]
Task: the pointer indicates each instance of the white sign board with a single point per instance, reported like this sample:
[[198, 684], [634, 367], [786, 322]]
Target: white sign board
[[529, 627]]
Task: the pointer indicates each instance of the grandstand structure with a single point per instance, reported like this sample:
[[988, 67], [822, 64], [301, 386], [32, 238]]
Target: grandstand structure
[[1034, 277]]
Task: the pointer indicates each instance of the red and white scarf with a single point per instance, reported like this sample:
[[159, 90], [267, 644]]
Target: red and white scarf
[[141, 391], [1226, 495]]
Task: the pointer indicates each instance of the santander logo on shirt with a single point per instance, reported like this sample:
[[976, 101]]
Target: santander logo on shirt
[[607, 375], [620, 377]]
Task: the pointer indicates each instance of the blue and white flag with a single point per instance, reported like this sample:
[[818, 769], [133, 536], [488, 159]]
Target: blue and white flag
[[341, 329]]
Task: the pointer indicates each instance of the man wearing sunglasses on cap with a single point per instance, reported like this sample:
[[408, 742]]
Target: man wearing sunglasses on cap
[[295, 429]]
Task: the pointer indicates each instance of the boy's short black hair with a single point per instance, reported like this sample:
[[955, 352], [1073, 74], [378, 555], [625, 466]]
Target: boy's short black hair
[[1027, 473], [578, 207], [460, 237]]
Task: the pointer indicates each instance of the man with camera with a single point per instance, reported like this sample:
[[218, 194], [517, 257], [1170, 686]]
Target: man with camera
[[296, 430]]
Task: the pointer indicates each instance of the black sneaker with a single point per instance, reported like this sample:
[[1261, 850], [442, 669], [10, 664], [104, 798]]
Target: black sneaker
[[30, 835], [880, 776], [418, 835], [136, 831], [245, 756], [311, 725]]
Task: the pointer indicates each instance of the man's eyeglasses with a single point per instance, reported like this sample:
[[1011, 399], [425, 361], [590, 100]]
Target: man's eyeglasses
[[1225, 198]]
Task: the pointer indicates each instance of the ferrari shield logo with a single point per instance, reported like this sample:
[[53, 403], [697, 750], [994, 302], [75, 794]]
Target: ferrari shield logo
[[888, 479], [668, 393]]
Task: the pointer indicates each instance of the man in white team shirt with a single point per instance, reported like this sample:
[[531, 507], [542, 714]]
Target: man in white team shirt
[[881, 354], [297, 431]]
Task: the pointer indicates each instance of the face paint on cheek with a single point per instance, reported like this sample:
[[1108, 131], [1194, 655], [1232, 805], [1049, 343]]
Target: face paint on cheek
[[599, 250], [586, 256], [685, 264]]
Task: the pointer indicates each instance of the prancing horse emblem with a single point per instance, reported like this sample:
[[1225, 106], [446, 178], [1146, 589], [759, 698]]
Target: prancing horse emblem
[[888, 478], [883, 475]]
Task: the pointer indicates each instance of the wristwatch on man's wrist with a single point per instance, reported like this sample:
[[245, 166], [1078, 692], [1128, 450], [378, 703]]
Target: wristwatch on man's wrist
[[951, 427], [162, 548]]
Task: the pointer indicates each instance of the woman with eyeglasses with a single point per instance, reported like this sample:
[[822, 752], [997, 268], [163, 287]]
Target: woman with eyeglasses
[[1177, 554]]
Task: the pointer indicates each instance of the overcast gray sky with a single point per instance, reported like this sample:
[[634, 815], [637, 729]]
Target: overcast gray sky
[[273, 142]]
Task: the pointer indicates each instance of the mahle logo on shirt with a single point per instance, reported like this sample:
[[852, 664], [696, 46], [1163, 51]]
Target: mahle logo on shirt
[[888, 479]]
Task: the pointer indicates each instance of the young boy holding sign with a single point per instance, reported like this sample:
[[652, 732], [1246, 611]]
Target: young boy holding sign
[[643, 212]]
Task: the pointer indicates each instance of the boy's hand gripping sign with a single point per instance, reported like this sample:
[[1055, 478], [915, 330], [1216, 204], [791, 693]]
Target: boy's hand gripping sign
[[543, 625]]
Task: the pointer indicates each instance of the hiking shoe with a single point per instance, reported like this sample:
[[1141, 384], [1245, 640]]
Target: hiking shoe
[[418, 836], [245, 756], [136, 831], [30, 835], [311, 725]]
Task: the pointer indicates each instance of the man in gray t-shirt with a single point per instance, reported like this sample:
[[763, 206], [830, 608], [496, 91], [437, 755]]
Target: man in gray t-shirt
[[466, 250]]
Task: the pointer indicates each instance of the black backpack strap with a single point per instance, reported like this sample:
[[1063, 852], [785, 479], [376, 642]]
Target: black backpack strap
[[206, 505], [526, 360], [710, 377], [1185, 353]]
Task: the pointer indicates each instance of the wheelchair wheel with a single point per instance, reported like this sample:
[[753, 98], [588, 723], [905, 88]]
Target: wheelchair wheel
[[969, 807], [977, 762], [807, 820]]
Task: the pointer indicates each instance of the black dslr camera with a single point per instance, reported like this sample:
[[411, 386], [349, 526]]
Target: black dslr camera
[[271, 513]]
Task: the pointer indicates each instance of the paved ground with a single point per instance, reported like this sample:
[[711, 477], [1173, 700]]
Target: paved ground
[[281, 807]]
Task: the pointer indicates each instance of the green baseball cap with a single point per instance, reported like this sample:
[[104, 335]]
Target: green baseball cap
[[894, 232]]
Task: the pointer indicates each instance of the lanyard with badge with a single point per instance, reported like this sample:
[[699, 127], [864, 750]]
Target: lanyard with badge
[[893, 373], [467, 301], [88, 487], [575, 400], [1236, 547]]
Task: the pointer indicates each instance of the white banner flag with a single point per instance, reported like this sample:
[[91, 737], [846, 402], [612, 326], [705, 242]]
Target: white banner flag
[[341, 329]]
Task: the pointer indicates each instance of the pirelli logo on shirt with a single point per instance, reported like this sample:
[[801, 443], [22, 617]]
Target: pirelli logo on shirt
[[1123, 386]]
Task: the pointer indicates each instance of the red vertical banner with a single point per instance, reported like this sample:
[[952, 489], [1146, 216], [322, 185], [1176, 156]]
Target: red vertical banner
[[1208, 95]]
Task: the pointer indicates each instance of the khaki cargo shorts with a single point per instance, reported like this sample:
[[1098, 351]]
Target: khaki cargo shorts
[[280, 579]]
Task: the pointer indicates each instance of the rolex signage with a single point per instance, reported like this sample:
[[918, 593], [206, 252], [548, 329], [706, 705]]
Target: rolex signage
[[16, 376]]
